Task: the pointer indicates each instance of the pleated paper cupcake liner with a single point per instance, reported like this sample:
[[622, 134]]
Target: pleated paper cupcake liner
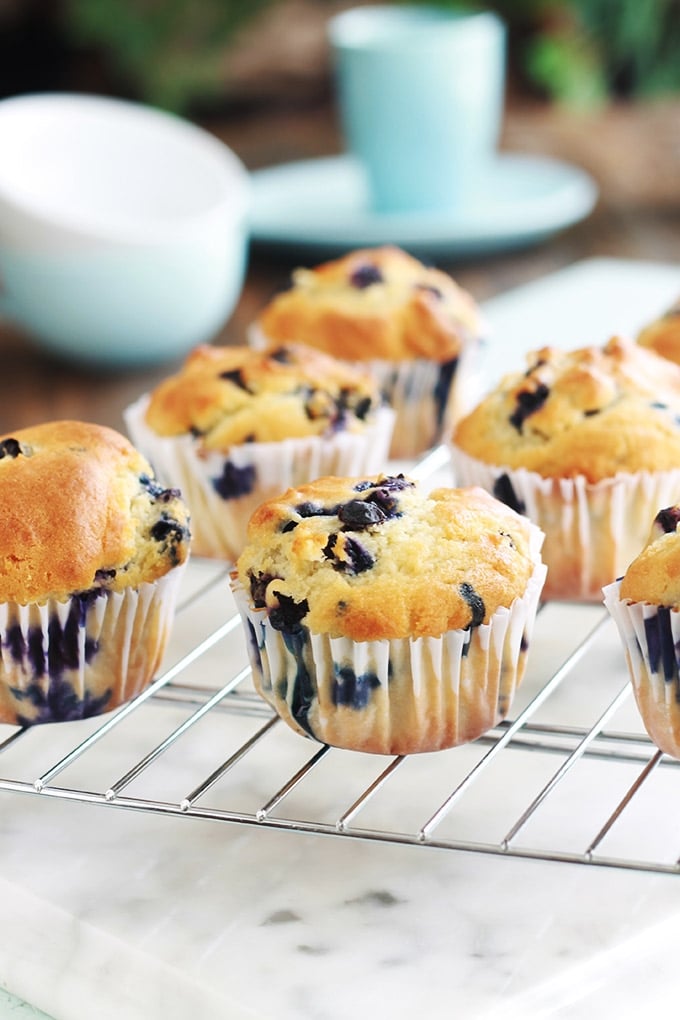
[[400, 696], [427, 398], [61, 661], [650, 636], [223, 489], [592, 530]]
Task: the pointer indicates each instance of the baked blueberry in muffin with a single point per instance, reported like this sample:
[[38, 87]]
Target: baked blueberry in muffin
[[237, 425], [586, 443], [416, 328], [385, 619], [90, 551]]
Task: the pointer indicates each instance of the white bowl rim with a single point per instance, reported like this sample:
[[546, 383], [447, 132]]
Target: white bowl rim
[[232, 206]]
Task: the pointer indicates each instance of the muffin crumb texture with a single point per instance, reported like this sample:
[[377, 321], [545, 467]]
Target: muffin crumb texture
[[82, 510], [375, 303], [375, 558], [591, 412], [225, 396]]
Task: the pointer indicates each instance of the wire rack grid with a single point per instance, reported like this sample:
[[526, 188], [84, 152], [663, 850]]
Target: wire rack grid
[[572, 777]]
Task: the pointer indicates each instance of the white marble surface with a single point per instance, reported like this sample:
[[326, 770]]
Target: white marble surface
[[112, 913]]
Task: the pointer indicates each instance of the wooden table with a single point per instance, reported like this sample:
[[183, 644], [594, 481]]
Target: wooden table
[[633, 153]]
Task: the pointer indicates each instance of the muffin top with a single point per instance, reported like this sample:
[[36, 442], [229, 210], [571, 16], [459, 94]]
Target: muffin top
[[595, 412], [375, 303], [230, 395], [82, 512], [654, 575], [374, 558], [663, 334]]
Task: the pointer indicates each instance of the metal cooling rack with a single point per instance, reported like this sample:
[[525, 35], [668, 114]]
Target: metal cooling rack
[[525, 763]]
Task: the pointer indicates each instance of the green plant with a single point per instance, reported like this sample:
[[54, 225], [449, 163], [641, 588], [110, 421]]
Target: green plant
[[171, 51], [585, 51]]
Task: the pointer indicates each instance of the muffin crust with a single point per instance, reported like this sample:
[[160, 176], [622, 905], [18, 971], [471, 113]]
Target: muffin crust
[[81, 510], [592, 412], [378, 303], [374, 558], [225, 396]]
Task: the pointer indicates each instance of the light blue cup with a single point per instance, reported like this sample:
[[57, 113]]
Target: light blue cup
[[123, 230], [420, 93]]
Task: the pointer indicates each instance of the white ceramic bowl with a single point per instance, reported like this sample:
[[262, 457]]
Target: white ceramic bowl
[[123, 229]]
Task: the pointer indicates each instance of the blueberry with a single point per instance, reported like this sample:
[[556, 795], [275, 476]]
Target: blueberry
[[289, 613], [169, 534], [528, 401], [475, 604], [350, 557], [61, 703], [504, 491], [289, 526], [668, 519], [362, 407], [157, 491], [258, 588], [365, 276], [167, 529], [352, 690], [660, 644], [235, 481], [395, 483], [103, 576], [304, 693], [360, 558], [360, 513], [388, 504], [282, 355], [309, 509], [442, 388], [235, 376], [10, 448]]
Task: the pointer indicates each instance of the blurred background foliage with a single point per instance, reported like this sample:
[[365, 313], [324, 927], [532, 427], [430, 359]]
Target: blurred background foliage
[[198, 55]]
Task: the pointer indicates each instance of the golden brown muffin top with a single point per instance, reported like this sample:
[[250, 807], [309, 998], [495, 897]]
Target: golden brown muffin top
[[230, 395], [81, 511], [595, 412], [663, 334], [374, 558], [654, 575], [376, 303]]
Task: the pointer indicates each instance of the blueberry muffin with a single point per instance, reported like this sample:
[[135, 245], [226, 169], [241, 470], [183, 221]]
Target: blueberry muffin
[[645, 604], [663, 334], [383, 619], [413, 325], [587, 444], [92, 548], [237, 425]]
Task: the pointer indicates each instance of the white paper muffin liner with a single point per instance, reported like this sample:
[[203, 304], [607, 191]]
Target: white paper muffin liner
[[219, 524], [399, 696], [427, 397], [61, 661], [651, 640], [592, 530]]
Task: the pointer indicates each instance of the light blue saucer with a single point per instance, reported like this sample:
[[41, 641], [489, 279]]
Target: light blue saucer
[[322, 205]]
